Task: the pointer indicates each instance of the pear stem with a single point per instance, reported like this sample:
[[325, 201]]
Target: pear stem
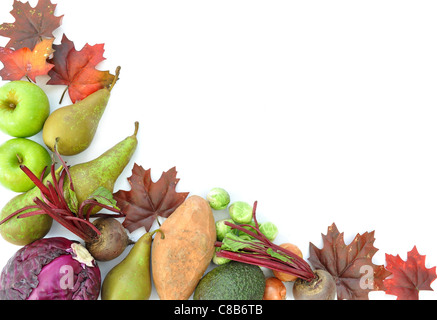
[[137, 124], [160, 231], [117, 74]]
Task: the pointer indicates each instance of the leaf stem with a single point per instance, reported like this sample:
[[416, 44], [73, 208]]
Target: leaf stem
[[262, 251], [63, 94]]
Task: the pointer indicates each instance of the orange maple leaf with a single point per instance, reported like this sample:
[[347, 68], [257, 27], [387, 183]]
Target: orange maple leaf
[[410, 276], [25, 62], [77, 69]]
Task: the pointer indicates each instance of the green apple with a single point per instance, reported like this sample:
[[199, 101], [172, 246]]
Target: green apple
[[23, 151], [24, 107]]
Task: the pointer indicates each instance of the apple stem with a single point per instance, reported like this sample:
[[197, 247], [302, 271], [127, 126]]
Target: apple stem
[[20, 161]]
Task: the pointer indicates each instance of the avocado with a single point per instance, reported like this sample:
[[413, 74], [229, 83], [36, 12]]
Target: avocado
[[232, 281]]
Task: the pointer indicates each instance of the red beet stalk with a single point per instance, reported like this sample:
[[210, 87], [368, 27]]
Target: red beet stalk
[[54, 204], [262, 252]]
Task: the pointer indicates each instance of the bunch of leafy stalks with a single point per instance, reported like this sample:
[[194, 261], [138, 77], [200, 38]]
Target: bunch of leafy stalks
[[258, 250]]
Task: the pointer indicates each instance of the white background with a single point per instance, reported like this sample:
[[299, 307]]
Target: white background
[[323, 111]]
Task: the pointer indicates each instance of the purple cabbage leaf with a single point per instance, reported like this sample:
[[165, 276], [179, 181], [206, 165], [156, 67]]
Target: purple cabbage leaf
[[51, 269]]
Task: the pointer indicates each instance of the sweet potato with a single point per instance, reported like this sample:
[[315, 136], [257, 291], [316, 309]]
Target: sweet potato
[[182, 257]]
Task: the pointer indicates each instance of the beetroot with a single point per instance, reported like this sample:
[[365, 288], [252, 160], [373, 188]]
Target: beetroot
[[111, 242]]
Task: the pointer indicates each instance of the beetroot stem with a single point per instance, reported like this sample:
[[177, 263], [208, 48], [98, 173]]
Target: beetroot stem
[[263, 252], [53, 203], [35, 179], [17, 212], [64, 164], [61, 220], [264, 262]]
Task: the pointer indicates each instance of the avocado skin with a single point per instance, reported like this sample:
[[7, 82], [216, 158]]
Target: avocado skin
[[232, 281]]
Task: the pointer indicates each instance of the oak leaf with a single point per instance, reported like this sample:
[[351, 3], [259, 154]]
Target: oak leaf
[[31, 24], [147, 199], [350, 265], [409, 277], [77, 69], [25, 62]]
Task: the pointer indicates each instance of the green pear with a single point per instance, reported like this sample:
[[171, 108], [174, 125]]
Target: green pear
[[130, 279], [26, 230], [75, 125], [102, 171], [86, 177]]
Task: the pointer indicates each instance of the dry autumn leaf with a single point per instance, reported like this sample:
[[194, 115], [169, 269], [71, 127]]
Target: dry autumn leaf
[[25, 62], [31, 24], [147, 199], [350, 265], [77, 69], [409, 277]]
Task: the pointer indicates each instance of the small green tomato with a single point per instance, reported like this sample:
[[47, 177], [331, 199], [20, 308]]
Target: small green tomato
[[269, 229], [241, 212], [222, 229], [218, 198]]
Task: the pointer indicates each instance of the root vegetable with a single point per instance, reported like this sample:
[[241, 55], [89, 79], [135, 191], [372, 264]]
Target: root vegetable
[[111, 242], [321, 288], [182, 257]]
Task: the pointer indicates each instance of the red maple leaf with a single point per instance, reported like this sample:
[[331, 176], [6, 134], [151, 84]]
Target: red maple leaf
[[147, 199], [31, 24], [25, 62], [350, 265], [409, 277], [77, 69]]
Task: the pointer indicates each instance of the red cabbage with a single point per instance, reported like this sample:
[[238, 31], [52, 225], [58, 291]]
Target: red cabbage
[[51, 269]]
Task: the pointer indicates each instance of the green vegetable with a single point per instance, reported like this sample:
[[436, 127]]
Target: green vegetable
[[217, 260], [262, 252], [241, 212], [269, 229], [218, 198], [222, 229], [232, 281]]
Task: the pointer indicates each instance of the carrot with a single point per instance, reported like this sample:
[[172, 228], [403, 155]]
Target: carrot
[[180, 259]]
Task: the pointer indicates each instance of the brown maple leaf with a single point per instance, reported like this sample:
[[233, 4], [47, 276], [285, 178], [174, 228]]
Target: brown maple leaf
[[147, 199], [350, 265], [31, 24], [25, 62], [409, 277], [77, 69]]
